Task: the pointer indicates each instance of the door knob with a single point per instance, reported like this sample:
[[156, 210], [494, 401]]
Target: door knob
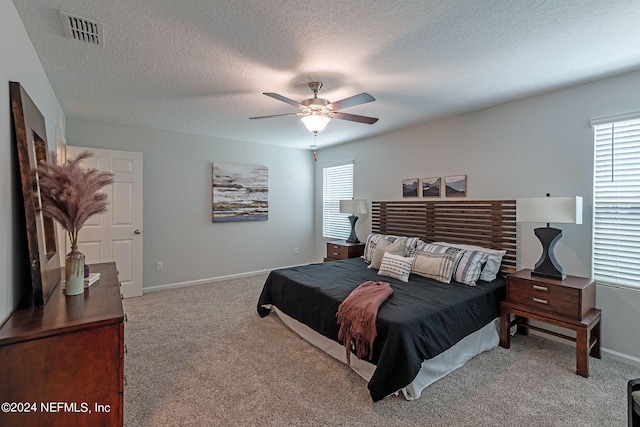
[[137, 231]]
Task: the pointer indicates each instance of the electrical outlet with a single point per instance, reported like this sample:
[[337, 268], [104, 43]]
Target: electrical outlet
[[159, 266], [295, 250]]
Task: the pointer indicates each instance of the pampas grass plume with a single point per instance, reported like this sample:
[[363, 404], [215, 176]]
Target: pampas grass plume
[[71, 194]]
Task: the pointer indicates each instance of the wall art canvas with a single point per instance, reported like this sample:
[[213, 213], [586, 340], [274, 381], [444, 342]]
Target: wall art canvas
[[410, 187], [456, 186], [431, 187], [240, 193]]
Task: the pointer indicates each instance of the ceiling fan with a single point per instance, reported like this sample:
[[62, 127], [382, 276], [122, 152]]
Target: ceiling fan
[[317, 112]]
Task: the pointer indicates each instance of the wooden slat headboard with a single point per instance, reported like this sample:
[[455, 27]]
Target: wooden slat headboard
[[486, 223]]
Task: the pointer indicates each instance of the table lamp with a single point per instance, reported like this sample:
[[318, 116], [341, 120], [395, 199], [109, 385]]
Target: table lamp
[[567, 210], [353, 207]]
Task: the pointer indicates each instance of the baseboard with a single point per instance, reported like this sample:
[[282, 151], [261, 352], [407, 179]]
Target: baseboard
[[611, 354], [621, 357], [209, 280]]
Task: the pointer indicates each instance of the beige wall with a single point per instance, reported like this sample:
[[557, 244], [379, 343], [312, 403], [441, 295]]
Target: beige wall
[[177, 203], [18, 62], [526, 148]]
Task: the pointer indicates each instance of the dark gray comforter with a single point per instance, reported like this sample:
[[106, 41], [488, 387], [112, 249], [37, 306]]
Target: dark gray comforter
[[420, 320]]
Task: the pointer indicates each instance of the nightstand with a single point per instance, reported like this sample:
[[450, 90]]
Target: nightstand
[[341, 249], [566, 303]]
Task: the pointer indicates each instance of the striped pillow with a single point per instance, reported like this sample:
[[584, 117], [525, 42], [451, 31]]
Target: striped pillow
[[396, 266], [470, 267], [437, 266]]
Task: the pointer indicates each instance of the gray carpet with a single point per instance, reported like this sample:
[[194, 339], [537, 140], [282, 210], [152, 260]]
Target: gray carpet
[[201, 356]]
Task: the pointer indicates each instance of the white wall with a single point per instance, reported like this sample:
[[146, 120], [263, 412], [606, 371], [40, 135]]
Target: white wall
[[526, 148], [177, 202], [18, 62]]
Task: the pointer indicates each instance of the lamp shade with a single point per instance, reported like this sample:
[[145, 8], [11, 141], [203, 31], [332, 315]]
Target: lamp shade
[[353, 206], [315, 122], [567, 210]]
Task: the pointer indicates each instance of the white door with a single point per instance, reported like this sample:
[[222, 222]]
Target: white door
[[116, 235]]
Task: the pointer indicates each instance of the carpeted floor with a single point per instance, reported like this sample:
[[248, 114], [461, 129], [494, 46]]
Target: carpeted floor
[[201, 356]]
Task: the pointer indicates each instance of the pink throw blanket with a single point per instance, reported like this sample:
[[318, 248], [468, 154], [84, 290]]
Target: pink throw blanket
[[357, 317]]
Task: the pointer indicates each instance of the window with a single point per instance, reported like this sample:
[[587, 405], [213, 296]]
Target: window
[[337, 184], [616, 202]]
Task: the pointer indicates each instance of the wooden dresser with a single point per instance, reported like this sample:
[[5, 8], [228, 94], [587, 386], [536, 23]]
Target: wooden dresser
[[63, 364]]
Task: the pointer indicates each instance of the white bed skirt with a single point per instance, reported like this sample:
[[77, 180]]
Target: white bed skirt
[[487, 338]]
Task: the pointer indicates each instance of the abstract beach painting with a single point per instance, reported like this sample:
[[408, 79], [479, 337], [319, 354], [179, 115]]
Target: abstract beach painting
[[240, 192]]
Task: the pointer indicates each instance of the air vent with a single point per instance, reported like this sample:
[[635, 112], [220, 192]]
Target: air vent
[[83, 29]]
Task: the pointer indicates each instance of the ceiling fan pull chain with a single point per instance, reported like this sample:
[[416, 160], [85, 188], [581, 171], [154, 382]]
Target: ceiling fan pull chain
[[315, 152]]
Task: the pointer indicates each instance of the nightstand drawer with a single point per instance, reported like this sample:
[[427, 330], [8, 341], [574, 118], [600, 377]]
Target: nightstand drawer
[[547, 297], [571, 298], [337, 251], [340, 249]]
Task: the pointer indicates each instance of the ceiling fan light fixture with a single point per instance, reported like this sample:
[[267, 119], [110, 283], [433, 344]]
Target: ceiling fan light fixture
[[315, 122]]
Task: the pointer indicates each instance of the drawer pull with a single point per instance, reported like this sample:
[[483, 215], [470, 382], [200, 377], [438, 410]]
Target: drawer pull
[[541, 301], [336, 254], [336, 247], [540, 288]]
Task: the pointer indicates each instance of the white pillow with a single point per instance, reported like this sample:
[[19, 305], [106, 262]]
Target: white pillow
[[396, 266], [491, 268], [396, 248]]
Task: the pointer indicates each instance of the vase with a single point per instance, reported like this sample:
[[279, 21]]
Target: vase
[[74, 272]]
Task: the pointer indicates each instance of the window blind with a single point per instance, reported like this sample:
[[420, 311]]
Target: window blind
[[616, 217], [337, 184]]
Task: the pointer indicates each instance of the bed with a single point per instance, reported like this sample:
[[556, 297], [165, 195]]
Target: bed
[[428, 327]]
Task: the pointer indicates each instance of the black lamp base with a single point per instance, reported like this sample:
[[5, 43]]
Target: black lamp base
[[547, 265], [352, 237]]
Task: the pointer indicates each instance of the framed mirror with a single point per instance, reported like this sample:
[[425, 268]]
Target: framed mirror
[[31, 141]]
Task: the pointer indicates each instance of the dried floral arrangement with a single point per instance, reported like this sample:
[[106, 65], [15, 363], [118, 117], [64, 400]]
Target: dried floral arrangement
[[71, 194]]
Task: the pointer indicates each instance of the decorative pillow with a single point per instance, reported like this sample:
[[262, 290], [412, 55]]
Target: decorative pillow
[[412, 242], [396, 266], [469, 267], [372, 242], [492, 267], [420, 245], [437, 266], [438, 249], [396, 248]]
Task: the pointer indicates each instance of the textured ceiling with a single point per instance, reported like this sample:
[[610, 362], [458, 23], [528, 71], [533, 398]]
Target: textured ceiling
[[201, 66]]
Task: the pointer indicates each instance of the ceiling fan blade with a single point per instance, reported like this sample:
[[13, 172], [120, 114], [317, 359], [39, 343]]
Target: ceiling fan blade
[[354, 118], [274, 115], [284, 99], [363, 98]]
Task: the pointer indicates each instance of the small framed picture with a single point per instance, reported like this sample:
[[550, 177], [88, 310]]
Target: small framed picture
[[455, 186], [431, 187], [410, 187]]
